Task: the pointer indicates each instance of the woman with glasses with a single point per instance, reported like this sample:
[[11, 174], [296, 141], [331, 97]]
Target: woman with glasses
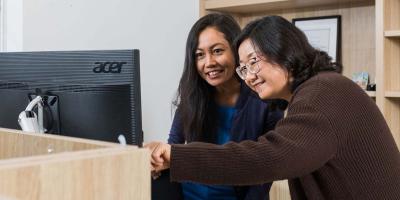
[[333, 143], [214, 105]]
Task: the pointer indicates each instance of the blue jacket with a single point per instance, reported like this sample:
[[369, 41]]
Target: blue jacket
[[252, 119]]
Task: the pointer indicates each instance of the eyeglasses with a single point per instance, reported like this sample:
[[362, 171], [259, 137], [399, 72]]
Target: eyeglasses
[[252, 67]]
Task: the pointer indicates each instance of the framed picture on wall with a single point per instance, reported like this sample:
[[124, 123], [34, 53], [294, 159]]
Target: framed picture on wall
[[323, 33]]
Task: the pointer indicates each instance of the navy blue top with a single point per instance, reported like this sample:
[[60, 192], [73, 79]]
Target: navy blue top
[[251, 119], [198, 191]]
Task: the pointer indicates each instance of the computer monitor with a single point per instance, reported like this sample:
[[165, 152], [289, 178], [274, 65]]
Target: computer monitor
[[87, 94]]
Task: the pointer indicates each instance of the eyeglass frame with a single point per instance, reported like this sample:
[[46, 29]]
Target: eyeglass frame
[[253, 68]]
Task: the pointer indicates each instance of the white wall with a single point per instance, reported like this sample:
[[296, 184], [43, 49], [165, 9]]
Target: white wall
[[157, 28], [11, 25]]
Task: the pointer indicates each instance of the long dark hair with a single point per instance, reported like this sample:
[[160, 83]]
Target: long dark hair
[[194, 100], [286, 45]]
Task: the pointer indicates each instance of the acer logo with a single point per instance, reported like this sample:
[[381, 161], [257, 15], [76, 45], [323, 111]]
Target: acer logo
[[108, 67]]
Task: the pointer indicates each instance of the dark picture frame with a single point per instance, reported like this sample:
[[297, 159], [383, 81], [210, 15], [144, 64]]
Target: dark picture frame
[[323, 32]]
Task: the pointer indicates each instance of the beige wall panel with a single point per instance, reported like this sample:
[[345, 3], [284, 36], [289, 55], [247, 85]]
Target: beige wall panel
[[392, 64], [392, 14], [392, 114]]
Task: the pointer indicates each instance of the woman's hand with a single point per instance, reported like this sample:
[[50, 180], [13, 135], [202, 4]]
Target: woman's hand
[[160, 155]]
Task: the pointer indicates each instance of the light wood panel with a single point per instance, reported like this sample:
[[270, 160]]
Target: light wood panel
[[85, 169], [99, 174], [392, 45], [393, 33], [388, 63], [392, 64], [41, 144], [392, 15], [202, 10], [379, 55], [280, 190], [393, 94], [249, 6], [392, 114]]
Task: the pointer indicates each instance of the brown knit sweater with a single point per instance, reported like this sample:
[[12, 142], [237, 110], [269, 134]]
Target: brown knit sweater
[[333, 144]]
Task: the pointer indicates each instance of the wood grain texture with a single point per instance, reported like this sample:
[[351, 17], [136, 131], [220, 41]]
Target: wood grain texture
[[390, 62], [280, 190], [251, 6], [79, 169], [16, 143], [392, 33]]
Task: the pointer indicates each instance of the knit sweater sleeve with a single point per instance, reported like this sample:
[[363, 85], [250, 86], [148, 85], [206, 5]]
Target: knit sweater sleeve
[[301, 143]]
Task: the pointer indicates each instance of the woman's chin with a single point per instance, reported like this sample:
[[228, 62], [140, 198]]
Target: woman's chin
[[220, 81], [215, 82], [263, 94]]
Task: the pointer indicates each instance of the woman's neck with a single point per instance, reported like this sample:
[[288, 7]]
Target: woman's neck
[[228, 93]]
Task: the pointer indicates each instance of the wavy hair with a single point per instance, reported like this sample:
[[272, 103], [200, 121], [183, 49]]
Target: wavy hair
[[194, 100]]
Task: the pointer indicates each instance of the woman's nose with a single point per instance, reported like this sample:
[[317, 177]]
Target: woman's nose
[[251, 77], [209, 61]]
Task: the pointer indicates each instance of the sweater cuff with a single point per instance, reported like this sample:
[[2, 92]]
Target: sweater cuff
[[177, 163]]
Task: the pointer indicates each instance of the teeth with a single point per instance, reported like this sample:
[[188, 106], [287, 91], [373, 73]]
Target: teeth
[[213, 73]]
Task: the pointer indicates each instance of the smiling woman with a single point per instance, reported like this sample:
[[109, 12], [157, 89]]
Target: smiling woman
[[333, 143], [214, 105]]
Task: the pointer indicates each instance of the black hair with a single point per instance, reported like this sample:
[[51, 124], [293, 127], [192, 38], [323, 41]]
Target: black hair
[[194, 100], [286, 45]]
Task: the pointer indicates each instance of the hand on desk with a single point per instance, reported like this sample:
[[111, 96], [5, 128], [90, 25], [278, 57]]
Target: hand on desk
[[160, 156]]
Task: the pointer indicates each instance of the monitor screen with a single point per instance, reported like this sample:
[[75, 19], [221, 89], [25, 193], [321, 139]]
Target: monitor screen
[[87, 94]]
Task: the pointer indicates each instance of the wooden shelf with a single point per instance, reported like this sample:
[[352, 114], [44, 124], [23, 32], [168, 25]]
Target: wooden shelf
[[392, 33], [371, 93], [392, 94], [248, 6]]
